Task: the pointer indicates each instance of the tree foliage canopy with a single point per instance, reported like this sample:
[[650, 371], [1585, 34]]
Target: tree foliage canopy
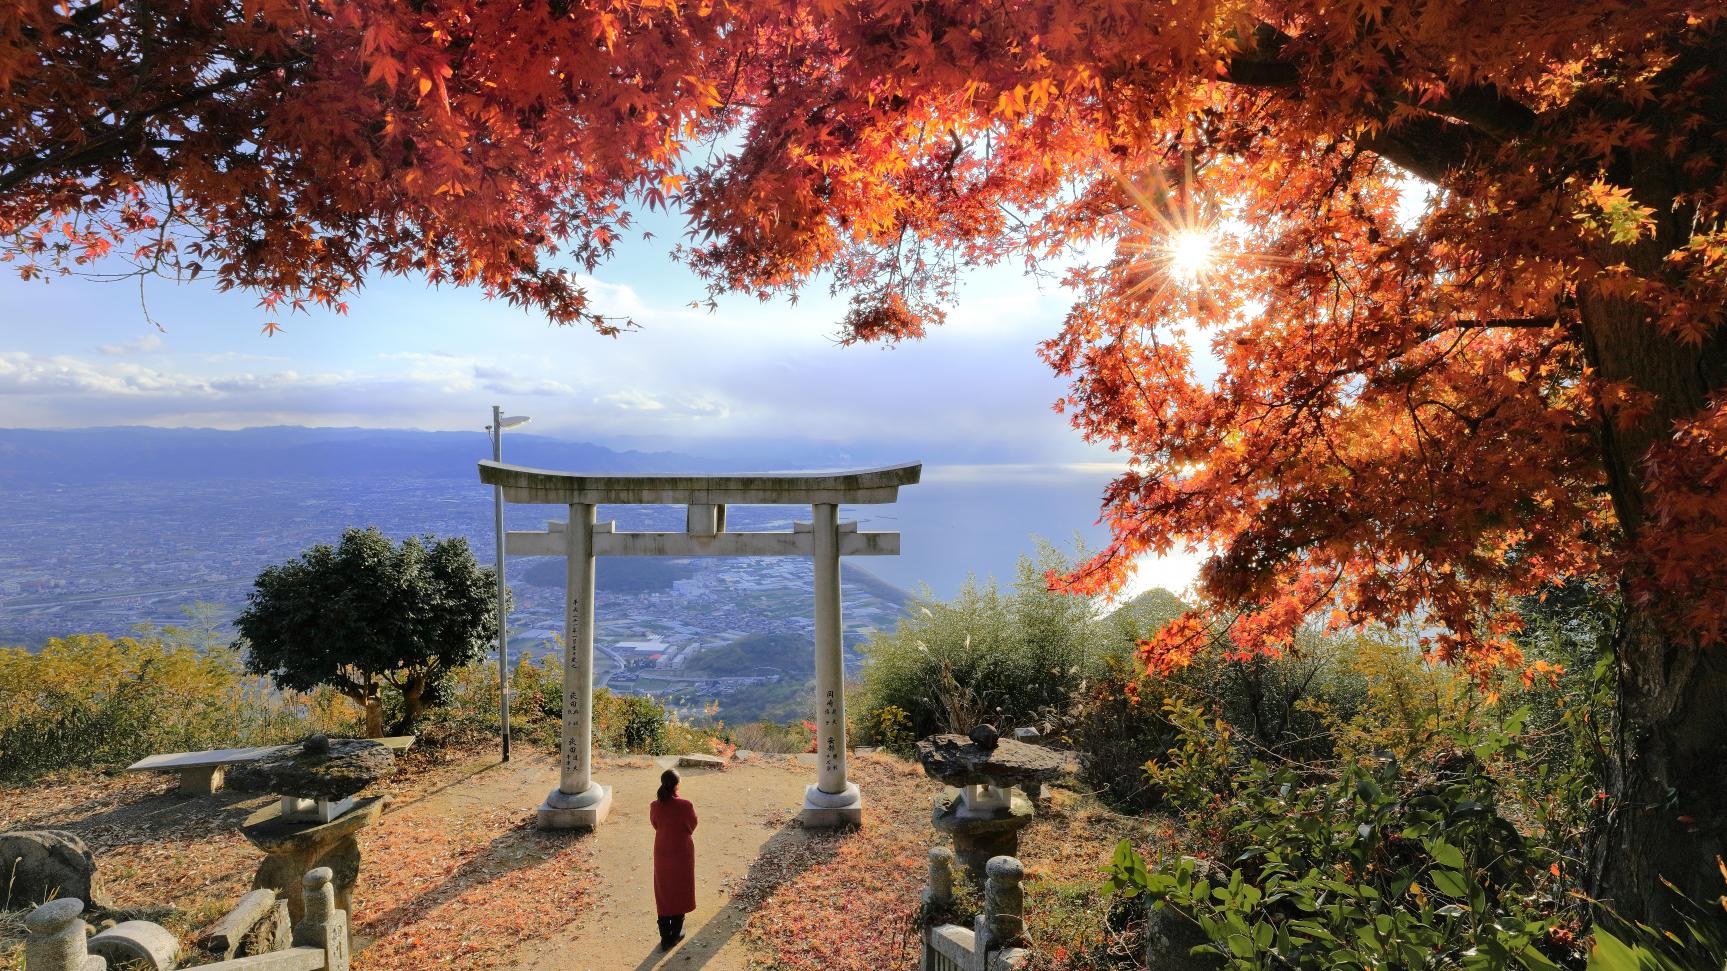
[[1439, 370], [367, 612], [1519, 387]]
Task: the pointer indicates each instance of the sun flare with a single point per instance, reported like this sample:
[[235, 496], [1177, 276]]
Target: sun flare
[[1190, 253]]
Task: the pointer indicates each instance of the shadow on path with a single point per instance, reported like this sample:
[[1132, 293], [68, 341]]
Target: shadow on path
[[787, 853], [167, 816], [516, 849]]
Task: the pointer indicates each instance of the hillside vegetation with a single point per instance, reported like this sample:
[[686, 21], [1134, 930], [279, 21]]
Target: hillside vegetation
[[789, 654], [1349, 804]]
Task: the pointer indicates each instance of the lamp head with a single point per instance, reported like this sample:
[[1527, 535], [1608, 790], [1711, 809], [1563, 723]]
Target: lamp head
[[514, 421]]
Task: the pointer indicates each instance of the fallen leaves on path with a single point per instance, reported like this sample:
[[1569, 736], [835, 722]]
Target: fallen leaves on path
[[845, 901], [463, 890]]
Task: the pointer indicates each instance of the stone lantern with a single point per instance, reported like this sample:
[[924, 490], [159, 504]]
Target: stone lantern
[[316, 821], [986, 805]]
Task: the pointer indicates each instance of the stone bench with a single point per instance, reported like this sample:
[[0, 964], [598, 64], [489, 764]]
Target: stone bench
[[201, 773]]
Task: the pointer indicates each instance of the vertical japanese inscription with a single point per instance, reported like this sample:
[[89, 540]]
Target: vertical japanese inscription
[[830, 721]]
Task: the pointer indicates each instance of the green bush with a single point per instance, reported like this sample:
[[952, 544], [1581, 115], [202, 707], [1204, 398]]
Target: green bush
[[986, 656], [91, 701], [1117, 726], [630, 724], [1380, 866], [1121, 719], [368, 615]]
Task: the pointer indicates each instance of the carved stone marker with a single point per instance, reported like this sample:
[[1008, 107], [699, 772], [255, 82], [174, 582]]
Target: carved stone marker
[[57, 939]]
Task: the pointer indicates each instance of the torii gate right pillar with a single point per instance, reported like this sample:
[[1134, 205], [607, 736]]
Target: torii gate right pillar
[[833, 800]]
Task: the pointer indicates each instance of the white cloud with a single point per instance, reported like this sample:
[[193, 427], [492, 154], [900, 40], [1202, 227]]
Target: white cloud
[[142, 344], [613, 299], [450, 373], [973, 391], [529, 388], [432, 390], [26, 374], [1018, 473], [632, 401]]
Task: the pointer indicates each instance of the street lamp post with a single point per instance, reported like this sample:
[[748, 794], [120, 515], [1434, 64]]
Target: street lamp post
[[499, 423]]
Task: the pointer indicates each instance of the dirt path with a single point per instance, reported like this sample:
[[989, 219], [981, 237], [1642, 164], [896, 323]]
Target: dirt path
[[745, 813]]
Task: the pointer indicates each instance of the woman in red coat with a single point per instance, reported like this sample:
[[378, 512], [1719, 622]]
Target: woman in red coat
[[674, 820]]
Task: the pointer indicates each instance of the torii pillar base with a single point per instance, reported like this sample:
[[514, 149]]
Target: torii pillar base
[[584, 810], [832, 810]]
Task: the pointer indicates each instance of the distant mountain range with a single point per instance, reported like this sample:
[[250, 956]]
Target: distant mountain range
[[214, 500], [135, 452]]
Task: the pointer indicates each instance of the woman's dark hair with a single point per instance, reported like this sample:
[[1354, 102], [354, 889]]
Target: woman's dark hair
[[668, 784]]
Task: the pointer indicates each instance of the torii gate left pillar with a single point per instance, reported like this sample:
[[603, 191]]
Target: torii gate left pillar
[[578, 802], [581, 802]]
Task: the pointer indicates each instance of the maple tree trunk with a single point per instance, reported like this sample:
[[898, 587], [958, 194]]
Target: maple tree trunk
[[1668, 779]]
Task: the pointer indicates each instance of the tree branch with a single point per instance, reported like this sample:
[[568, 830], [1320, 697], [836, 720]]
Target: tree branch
[[1426, 145], [22, 168], [1518, 323], [1430, 145]]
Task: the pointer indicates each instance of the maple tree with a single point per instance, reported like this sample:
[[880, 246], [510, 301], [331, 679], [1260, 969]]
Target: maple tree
[[1417, 415]]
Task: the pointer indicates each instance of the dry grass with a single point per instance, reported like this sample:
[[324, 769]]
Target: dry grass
[[1067, 916], [178, 860]]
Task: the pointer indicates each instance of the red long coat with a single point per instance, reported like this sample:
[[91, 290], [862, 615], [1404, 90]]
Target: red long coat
[[674, 855]]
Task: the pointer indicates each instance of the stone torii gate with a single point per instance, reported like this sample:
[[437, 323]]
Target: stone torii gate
[[579, 801]]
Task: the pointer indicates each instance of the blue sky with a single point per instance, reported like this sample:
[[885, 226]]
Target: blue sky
[[75, 352], [972, 399]]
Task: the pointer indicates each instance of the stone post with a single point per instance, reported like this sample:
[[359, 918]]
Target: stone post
[[938, 892], [56, 939], [324, 926], [833, 800], [578, 802], [1002, 923]]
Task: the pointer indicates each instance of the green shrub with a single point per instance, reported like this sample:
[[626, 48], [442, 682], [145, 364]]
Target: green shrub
[[1117, 727], [368, 614], [92, 701], [987, 655], [629, 723], [1120, 720], [1380, 866]]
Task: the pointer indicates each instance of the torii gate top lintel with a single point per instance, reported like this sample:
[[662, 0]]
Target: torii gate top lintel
[[864, 486]]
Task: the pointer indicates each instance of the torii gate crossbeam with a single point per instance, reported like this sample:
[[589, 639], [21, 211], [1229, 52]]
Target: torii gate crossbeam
[[579, 801]]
